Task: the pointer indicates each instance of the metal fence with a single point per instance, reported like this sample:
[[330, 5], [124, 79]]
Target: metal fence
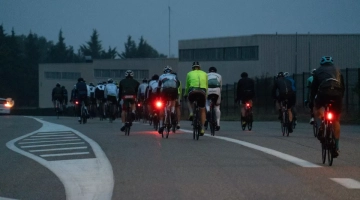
[[263, 103]]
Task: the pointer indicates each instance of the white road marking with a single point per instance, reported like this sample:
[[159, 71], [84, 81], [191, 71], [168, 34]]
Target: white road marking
[[64, 154], [82, 178], [53, 133], [347, 182], [48, 145], [58, 149], [287, 157], [48, 141], [4, 198], [53, 139], [49, 136]]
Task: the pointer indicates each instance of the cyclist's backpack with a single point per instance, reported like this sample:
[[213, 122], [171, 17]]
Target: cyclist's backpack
[[330, 87], [213, 81]]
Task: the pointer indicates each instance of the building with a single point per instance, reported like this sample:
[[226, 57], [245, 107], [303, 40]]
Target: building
[[266, 55], [98, 71]]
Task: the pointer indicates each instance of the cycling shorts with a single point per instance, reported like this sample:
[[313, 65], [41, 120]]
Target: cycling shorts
[[336, 106], [198, 94], [169, 94], [112, 99], [291, 100]]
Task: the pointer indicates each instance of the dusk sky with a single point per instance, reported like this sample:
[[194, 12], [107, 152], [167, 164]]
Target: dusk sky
[[116, 19]]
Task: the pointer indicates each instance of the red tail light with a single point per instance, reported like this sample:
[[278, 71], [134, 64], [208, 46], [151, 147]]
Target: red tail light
[[159, 104], [247, 105], [139, 105], [76, 102], [329, 116]]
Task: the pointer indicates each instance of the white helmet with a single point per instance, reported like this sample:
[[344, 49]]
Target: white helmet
[[129, 73], [110, 80], [167, 69], [286, 74]]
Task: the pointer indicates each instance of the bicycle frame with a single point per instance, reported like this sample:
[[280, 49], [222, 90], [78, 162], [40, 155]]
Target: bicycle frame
[[328, 145]]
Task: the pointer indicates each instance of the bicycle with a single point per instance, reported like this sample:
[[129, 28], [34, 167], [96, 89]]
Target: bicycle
[[110, 111], [315, 128], [285, 118], [169, 124], [328, 144], [196, 121], [128, 118], [155, 118], [248, 119], [83, 113]]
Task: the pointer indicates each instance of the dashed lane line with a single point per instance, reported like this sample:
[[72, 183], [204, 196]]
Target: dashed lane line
[[58, 149], [347, 182], [48, 145]]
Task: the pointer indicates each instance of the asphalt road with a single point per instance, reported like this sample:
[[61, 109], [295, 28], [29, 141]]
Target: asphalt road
[[49, 158]]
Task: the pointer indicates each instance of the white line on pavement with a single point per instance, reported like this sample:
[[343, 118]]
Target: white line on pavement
[[48, 141], [58, 149], [53, 133], [82, 178], [64, 154], [287, 157], [49, 136], [347, 182], [53, 139], [48, 145]]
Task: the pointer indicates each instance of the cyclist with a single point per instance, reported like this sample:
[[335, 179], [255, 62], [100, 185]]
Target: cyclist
[[196, 88], [307, 101], [293, 86], [328, 84], [168, 89], [128, 86], [178, 104], [245, 92], [92, 98], [285, 92], [110, 93], [141, 93], [214, 91], [100, 98], [81, 92], [152, 93], [57, 94]]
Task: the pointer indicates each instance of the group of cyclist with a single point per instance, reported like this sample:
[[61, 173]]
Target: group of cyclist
[[326, 83]]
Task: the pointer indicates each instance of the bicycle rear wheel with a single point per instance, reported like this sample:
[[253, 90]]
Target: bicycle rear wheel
[[315, 129], [212, 121], [331, 146], [250, 122], [323, 153]]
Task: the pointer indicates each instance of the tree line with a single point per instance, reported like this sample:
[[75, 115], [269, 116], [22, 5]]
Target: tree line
[[20, 56]]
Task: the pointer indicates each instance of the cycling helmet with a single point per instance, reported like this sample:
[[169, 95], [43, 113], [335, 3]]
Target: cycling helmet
[[145, 80], [280, 74], [104, 82], [99, 83], [313, 71], [286, 74], [110, 80], [212, 69], [244, 75], [80, 79], [129, 73], [57, 84], [167, 69], [195, 64], [326, 60], [155, 77], [91, 84]]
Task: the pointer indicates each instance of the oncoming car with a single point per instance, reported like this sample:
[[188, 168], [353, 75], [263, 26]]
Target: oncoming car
[[5, 105]]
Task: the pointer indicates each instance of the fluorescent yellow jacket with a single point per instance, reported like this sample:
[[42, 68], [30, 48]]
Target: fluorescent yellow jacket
[[196, 79]]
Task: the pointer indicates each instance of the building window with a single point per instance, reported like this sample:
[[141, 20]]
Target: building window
[[220, 54], [53, 75], [70, 75], [116, 73]]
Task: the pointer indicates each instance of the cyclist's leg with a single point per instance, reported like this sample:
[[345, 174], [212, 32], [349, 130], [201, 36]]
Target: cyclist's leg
[[178, 113], [218, 112]]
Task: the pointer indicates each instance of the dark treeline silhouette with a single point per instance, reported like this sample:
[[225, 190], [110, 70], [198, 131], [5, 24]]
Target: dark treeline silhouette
[[20, 56]]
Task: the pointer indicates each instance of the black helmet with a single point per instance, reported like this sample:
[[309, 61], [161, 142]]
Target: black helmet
[[155, 77], [145, 81], [195, 64], [57, 84], [80, 79], [244, 75], [280, 74], [212, 69]]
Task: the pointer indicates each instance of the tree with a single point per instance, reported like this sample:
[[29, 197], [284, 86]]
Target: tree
[[110, 54], [93, 47], [130, 49]]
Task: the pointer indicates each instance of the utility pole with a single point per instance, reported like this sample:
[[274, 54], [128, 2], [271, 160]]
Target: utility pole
[[169, 32]]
